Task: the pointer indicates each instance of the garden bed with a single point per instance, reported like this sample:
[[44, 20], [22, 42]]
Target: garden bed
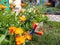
[[50, 37], [14, 27]]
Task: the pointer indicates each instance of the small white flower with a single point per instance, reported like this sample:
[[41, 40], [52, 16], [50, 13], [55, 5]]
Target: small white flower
[[31, 9], [23, 16]]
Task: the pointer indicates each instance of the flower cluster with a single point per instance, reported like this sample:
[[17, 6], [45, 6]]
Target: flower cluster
[[21, 36]]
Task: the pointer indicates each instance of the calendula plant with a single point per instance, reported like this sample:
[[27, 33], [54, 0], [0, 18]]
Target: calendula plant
[[16, 29], [20, 35], [18, 26]]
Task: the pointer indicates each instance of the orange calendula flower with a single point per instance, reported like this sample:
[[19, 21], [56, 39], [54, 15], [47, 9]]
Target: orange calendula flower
[[21, 11], [12, 30], [20, 40], [22, 18], [22, 4], [2, 6], [27, 36], [11, 6], [19, 31]]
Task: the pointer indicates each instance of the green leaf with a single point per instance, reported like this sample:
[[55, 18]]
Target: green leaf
[[2, 38]]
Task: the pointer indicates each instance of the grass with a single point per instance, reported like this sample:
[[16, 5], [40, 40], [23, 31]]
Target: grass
[[50, 37]]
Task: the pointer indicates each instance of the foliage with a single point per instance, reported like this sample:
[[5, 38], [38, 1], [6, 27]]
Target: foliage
[[50, 37], [22, 20]]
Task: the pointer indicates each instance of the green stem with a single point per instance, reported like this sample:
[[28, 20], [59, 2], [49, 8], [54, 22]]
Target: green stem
[[10, 40]]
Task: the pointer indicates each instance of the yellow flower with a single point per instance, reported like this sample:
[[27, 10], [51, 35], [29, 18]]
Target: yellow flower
[[2, 6], [28, 36], [20, 40], [22, 18], [19, 31], [12, 30]]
